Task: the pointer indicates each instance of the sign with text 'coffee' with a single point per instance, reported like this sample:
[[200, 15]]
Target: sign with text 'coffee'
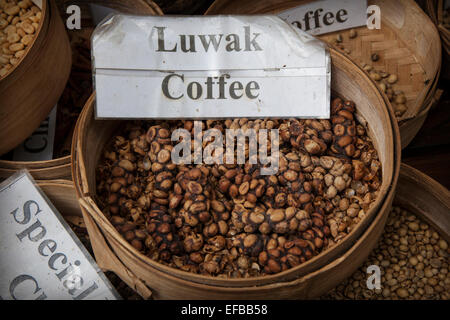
[[40, 256], [208, 67], [324, 16]]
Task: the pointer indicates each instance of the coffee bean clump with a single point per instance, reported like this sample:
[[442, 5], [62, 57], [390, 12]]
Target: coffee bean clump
[[230, 220]]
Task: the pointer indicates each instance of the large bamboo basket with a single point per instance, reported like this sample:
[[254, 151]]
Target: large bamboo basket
[[348, 81], [408, 45], [59, 168], [31, 89]]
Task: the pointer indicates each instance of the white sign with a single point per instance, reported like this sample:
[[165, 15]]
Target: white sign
[[40, 256], [324, 16], [208, 67], [38, 146]]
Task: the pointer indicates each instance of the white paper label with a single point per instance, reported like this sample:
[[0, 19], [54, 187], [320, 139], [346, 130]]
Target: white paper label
[[39, 146], [40, 256], [324, 16], [208, 67], [38, 3]]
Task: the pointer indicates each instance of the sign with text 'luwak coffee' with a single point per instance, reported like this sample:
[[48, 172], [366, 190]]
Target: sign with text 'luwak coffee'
[[325, 16], [40, 256], [208, 67]]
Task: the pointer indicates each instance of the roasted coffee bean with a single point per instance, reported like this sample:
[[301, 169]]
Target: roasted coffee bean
[[229, 220]]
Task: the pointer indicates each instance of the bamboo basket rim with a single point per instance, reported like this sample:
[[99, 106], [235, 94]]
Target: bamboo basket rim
[[428, 185], [79, 177], [38, 164], [45, 11], [39, 170], [274, 8], [56, 182]]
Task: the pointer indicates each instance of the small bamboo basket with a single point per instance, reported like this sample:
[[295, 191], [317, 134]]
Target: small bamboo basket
[[349, 82], [59, 168], [43, 170], [425, 197], [408, 45], [31, 89]]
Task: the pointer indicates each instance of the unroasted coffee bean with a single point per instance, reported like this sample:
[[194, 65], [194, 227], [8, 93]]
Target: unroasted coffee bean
[[413, 265], [16, 31]]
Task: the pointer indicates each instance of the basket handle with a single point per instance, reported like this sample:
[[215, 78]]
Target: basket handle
[[105, 258]]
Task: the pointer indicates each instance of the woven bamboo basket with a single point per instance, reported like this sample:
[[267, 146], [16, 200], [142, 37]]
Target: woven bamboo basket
[[31, 89], [425, 197], [59, 168], [408, 45], [348, 81]]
